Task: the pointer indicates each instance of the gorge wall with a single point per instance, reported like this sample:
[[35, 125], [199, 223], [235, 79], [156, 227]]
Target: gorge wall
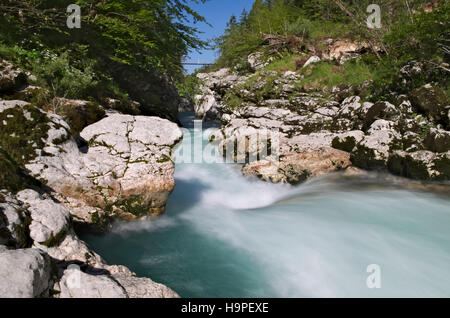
[[323, 131], [82, 169]]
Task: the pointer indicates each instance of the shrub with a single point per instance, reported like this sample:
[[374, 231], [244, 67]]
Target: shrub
[[63, 79], [301, 27]]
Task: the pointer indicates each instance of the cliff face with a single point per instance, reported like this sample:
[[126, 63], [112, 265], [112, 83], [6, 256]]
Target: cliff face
[[322, 129], [97, 167], [155, 92]]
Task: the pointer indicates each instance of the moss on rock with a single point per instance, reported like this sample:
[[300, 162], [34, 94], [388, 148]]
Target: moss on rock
[[80, 116], [347, 144], [366, 158], [12, 177], [23, 133], [55, 240], [442, 164], [432, 101]]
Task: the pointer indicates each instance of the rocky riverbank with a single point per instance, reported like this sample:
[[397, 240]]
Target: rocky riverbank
[[82, 166], [323, 131]]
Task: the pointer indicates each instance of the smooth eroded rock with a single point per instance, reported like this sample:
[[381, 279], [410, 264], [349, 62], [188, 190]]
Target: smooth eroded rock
[[24, 273], [77, 284]]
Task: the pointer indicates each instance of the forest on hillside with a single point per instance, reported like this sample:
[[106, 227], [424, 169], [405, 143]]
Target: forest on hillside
[[143, 36], [410, 30]]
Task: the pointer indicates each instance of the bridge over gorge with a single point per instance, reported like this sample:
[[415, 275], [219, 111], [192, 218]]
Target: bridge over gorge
[[197, 64]]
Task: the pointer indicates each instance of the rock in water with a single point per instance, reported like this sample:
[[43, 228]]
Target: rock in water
[[131, 158], [127, 170]]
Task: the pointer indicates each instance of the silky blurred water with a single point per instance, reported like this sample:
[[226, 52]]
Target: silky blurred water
[[227, 236]]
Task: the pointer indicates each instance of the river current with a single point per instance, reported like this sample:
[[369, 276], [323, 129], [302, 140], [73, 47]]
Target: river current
[[224, 235]]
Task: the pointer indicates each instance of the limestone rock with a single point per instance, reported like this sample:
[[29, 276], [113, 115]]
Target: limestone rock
[[208, 105], [127, 167], [136, 287], [29, 93], [14, 222], [298, 167], [379, 110], [130, 157], [374, 150], [421, 165], [49, 220], [205, 104], [343, 50], [24, 273], [432, 101], [129, 107], [186, 105], [78, 113], [350, 107], [312, 60], [11, 77], [77, 284], [256, 62], [348, 141], [438, 140]]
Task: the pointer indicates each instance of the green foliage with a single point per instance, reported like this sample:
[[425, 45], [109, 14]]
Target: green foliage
[[408, 33], [23, 137], [302, 27], [307, 20], [147, 36], [189, 86], [233, 101], [423, 41], [63, 79], [152, 34], [12, 177], [287, 63], [325, 75]]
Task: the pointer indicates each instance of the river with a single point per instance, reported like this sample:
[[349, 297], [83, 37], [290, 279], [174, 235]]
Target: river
[[224, 235]]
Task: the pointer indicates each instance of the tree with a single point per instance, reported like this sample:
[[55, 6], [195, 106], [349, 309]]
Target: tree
[[151, 34]]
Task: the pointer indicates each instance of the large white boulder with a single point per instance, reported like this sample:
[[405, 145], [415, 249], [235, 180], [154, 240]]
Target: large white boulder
[[77, 284], [127, 169], [24, 273]]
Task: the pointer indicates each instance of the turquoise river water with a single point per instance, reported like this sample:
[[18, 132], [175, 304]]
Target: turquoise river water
[[224, 235]]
